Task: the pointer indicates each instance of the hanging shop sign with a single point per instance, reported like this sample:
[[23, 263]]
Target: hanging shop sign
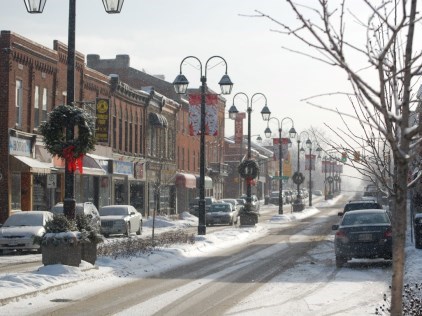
[[102, 120]]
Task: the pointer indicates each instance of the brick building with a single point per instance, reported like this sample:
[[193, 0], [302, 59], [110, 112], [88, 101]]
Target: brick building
[[144, 152], [187, 147]]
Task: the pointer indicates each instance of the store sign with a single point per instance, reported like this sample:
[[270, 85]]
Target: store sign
[[19, 146], [102, 120], [51, 181], [123, 167]]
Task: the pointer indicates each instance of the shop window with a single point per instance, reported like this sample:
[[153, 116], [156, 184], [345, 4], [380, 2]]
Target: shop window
[[16, 191]]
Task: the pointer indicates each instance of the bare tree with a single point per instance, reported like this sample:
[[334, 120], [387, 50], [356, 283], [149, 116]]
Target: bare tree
[[382, 89]]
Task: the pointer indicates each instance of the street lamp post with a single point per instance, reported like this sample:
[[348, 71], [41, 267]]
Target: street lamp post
[[232, 114], [309, 145], [266, 115], [37, 6], [298, 176], [181, 87]]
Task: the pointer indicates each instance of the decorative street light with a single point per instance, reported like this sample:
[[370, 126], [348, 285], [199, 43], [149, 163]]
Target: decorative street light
[[37, 6], [232, 114], [298, 177], [292, 134], [309, 145], [181, 87]]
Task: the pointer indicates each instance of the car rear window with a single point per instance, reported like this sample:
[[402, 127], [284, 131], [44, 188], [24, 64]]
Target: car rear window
[[220, 208], [361, 206], [365, 218]]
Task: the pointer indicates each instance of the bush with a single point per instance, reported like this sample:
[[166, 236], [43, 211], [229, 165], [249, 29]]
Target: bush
[[131, 247], [412, 301]]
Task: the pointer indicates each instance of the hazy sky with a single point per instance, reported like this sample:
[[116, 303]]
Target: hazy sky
[[158, 34]]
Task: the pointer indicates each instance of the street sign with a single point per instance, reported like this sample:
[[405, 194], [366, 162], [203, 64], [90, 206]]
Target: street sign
[[51, 181], [278, 178]]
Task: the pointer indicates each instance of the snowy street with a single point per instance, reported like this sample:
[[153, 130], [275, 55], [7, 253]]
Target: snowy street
[[282, 266]]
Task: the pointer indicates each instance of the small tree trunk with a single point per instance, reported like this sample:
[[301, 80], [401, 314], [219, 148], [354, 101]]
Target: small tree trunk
[[399, 236]]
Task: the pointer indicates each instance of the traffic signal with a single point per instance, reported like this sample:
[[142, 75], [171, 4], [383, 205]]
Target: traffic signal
[[343, 156]]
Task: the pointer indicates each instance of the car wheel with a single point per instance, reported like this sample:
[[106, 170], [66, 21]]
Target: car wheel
[[340, 261], [128, 229], [139, 231]]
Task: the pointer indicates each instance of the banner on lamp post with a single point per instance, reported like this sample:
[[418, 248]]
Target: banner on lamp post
[[310, 162], [238, 127], [211, 117], [284, 148]]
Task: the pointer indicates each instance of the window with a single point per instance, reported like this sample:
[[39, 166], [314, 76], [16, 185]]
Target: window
[[19, 97], [44, 105], [136, 134], [126, 132], [130, 133], [114, 130], [36, 107], [120, 131]]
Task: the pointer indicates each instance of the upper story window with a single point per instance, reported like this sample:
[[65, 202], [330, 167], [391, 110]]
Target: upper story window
[[19, 102], [44, 105], [37, 107]]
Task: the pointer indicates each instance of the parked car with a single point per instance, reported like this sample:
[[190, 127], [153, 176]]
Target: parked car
[[120, 220], [222, 213], [19, 230], [363, 234], [274, 197], [233, 202], [86, 208], [287, 196], [317, 192], [242, 203], [254, 200], [360, 205], [194, 205]]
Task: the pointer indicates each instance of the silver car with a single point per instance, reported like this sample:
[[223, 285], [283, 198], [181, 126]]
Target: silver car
[[86, 208], [19, 230], [222, 213], [120, 220]]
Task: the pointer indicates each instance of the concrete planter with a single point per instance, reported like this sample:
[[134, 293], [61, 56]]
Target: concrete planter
[[89, 252], [63, 253]]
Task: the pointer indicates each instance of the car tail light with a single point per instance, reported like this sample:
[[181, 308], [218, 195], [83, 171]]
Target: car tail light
[[388, 233], [341, 235]]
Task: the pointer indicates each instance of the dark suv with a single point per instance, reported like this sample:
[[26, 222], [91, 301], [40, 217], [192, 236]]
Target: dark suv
[[360, 205]]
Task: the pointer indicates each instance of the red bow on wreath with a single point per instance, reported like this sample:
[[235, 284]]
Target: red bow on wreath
[[250, 181], [73, 163]]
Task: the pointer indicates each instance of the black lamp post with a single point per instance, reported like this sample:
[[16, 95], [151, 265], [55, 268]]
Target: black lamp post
[[298, 176], [37, 6], [309, 145], [181, 87], [232, 114], [266, 115]]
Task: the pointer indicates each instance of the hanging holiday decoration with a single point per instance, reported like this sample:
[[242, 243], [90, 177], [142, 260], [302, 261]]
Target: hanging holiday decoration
[[54, 133], [248, 169], [298, 178]]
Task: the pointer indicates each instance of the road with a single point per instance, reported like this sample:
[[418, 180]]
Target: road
[[212, 285]]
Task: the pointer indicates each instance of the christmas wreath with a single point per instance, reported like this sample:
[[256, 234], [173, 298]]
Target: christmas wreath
[[54, 133], [248, 169], [298, 178]]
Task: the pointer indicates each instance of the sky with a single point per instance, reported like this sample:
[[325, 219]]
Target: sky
[[158, 34], [354, 290]]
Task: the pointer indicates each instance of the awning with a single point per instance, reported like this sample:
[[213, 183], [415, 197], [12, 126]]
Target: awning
[[186, 180], [157, 120], [207, 182], [28, 164]]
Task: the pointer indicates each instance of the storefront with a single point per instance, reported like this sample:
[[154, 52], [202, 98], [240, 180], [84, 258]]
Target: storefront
[[30, 189], [185, 190]]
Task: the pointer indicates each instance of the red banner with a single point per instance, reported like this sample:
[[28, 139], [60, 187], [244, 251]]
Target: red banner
[[211, 114]]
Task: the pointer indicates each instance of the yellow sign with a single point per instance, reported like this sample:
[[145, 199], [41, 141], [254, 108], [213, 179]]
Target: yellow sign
[[102, 120]]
